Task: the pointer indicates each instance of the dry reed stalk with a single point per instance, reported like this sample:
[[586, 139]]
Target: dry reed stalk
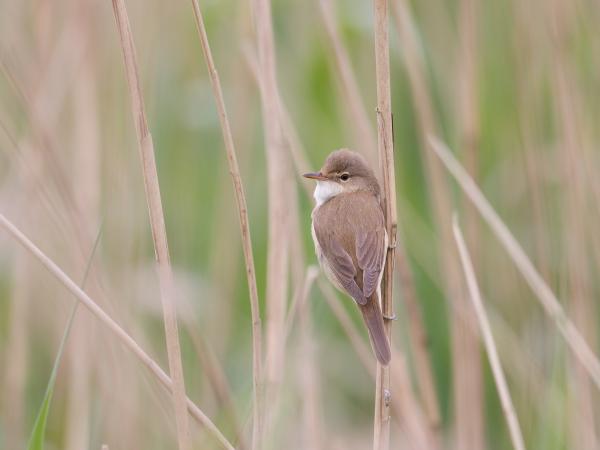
[[302, 275], [385, 144], [360, 119], [546, 297], [225, 258], [42, 99], [157, 223], [277, 180], [301, 165], [292, 139], [362, 350], [534, 180], [467, 371], [112, 326], [217, 379], [407, 411], [298, 267], [309, 374], [406, 29], [86, 186], [574, 209], [488, 340], [16, 350], [15, 358], [300, 297], [357, 114], [420, 344], [528, 69], [437, 182], [42, 103], [257, 430]]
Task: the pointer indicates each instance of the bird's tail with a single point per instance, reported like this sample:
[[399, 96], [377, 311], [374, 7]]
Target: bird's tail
[[374, 321]]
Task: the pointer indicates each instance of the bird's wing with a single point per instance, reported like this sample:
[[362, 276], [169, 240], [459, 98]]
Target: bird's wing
[[340, 267], [343, 269], [370, 249]]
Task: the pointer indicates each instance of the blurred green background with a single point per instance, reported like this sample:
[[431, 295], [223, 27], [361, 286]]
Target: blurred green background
[[512, 87]]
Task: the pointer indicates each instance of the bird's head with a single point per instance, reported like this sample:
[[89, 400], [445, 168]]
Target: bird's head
[[344, 171]]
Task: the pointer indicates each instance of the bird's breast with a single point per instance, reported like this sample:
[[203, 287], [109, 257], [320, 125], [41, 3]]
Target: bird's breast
[[322, 259]]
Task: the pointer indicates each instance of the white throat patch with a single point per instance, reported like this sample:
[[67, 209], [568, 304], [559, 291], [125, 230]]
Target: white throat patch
[[326, 190]]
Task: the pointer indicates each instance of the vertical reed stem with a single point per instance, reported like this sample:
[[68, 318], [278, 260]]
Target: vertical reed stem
[[467, 370], [157, 223], [277, 177], [244, 228], [386, 160]]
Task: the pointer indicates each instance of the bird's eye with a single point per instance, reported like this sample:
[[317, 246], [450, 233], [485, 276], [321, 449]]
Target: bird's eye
[[345, 176]]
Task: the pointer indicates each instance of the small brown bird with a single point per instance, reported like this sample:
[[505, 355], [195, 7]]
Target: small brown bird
[[350, 238]]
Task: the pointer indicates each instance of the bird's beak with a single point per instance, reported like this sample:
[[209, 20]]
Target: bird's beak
[[315, 176]]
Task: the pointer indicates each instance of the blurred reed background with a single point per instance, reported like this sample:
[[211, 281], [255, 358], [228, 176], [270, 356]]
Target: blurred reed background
[[512, 87]]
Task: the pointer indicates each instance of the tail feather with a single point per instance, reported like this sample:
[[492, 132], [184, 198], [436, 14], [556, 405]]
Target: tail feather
[[374, 321]]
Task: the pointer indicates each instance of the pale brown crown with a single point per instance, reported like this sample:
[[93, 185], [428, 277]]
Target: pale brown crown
[[346, 162]]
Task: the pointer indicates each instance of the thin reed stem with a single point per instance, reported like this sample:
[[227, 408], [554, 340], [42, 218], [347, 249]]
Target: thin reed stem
[[467, 370], [277, 178], [573, 161], [357, 113], [218, 380], [157, 223], [257, 430], [420, 344], [546, 297], [307, 370], [417, 75], [385, 144], [300, 298], [112, 326], [407, 411], [362, 350], [488, 339]]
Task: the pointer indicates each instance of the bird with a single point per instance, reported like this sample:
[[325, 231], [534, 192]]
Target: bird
[[348, 230]]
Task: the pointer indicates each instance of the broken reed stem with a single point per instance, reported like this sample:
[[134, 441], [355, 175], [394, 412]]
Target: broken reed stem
[[112, 326], [157, 224], [546, 297], [385, 144], [488, 340], [277, 180], [244, 227]]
